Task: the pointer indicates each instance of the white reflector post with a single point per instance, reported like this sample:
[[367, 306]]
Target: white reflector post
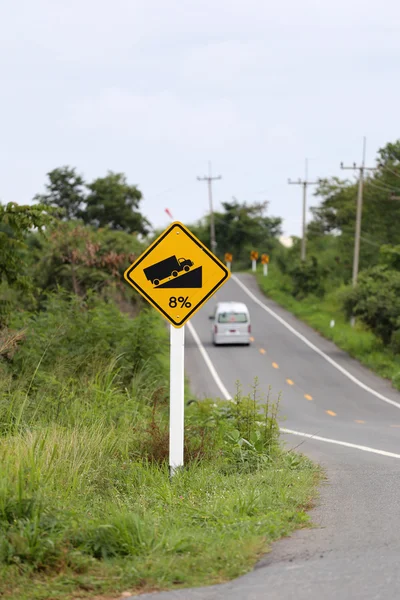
[[265, 269], [254, 264], [176, 398]]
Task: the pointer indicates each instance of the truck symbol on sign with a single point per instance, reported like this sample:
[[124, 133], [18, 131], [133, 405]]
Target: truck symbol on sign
[[168, 267]]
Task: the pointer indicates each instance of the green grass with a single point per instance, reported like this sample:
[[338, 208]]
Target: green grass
[[87, 507], [357, 341], [102, 524]]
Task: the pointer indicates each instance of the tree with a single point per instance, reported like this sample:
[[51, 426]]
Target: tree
[[113, 203], [240, 228], [65, 190], [336, 214]]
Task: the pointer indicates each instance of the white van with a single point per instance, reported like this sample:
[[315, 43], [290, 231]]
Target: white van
[[231, 324]]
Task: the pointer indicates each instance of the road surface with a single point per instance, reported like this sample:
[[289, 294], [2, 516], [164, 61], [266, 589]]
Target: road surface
[[353, 417]]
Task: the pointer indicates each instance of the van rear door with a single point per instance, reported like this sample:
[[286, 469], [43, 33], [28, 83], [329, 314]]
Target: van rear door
[[232, 323]]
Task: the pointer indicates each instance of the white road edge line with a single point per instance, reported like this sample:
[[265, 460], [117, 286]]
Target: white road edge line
[[227, 396], [208, 362], [313, 347], [339, 443]]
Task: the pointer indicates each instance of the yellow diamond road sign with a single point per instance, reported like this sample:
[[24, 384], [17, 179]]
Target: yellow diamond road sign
[[177, 274]]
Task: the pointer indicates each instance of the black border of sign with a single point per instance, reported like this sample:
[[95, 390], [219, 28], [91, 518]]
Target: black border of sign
[[150, 249]]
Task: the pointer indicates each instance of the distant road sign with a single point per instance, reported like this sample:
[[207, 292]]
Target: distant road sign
[[177, 274], [265, 259], [228, 257], [254, 255]]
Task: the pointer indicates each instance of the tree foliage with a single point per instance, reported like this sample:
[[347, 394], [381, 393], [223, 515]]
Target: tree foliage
[[239, 228], [106, 202], [336, 214], [15, 223], [15, 277], [65, 190], [113, 203]]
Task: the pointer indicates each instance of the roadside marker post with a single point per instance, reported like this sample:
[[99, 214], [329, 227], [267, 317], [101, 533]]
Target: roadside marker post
[[228, 260], [177, 274], [254, 258], [265, 261]]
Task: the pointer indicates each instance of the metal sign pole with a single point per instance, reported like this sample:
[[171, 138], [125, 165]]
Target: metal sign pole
[[176, 398]]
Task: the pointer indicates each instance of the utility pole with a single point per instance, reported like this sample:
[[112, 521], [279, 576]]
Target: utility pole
[[304, 183], [209, 180], [362, 168]]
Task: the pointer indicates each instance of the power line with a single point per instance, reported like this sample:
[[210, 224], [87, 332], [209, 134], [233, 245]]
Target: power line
[[304, 182], [384, 167], [362, 168], [367, 241], [209, 180], [384, 188]]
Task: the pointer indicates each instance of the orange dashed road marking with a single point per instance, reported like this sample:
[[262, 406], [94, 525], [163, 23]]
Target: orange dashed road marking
[[275, 365], [289, 381], [262, 351], [252, 339], [307, 397], [331, 413], [394, 425], [361, 422]]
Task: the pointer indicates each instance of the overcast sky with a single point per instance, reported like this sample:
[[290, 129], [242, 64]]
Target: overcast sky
[[156, 88]]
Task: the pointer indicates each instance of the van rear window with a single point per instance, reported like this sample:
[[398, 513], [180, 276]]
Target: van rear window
[[231, 317]]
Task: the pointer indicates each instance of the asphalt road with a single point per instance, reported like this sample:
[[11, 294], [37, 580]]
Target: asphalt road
[[354, 550]]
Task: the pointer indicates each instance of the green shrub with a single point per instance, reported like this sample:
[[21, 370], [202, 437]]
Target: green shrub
[[396, 380], [307, 279], [81, 333], [376, 301], [395, 341]]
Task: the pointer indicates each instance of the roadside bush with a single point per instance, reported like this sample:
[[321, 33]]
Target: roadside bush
[[395, 341], [78, 334], [396, 380], [245, 434], [308, 279], [376, 301]]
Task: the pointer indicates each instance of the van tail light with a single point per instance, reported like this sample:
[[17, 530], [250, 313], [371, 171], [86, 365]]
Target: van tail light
[[249, 328], [215, 329]]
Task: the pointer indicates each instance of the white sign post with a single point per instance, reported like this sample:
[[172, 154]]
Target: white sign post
[[265, 269], [228, 266], [177, 288], [177, 397], [254, 265]]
